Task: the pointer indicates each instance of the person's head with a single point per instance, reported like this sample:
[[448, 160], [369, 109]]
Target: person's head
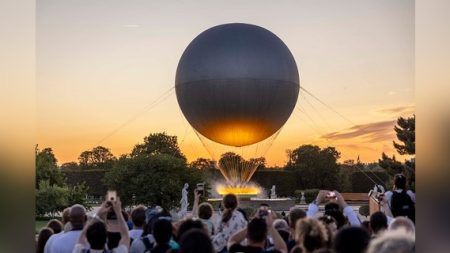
[[280, 224], [399, 181], [138, 216], [196, 241], [162, 231], [205, 211], [44, 234], [55, 225], [403, 223], [366, 225], [351, 240], [285, 235], [336, 214], [188, 225], [77, 216], [229, 202], [330, 223], [311, 234], [66, 216], [378, 222], [393, 242], [97, 235], [331, 206], [257, 231], [113, 228], [295, 214]]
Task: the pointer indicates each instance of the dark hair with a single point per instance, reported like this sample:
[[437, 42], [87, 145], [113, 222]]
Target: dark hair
[[294, 215], [152, 215], [400, 181], [230, 202], [188, 225], [113, 239], [284, 234], [55, 225], [366, 225], [329, 207], [326, 221], [196, 241], [337, 215], [162, 231], [96, 235], [378, 221], [257, 230], [205, 210], [138, 216], [44, 234], [351, 240]]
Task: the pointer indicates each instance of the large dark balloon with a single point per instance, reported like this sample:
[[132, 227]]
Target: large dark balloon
[[237, 84]]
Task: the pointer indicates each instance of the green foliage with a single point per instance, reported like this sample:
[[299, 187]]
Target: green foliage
[[310, 195], [77, 195], [97, 158], [285, 181], [361, 183], [151, 179], [364, 210], [249, 211], [159, 143], [51, 198], [93, 180], [391, 165], [315, 167], [47, 169], [406, 134], [203, 164]]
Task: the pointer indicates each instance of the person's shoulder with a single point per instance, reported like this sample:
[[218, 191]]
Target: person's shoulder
[[79, 248], [236, 248], [122, 248]]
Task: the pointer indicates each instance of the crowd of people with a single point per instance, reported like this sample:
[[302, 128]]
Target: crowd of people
[[337, 229]]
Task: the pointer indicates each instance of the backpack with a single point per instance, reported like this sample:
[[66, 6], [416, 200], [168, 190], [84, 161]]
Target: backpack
[[148, 244], [402, 205]]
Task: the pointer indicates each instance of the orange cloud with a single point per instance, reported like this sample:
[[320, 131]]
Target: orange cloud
[[398, 110], [371, 132]]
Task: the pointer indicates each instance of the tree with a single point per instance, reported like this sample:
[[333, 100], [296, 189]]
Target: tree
[[406, 134], [47, 168], [69, 166], [260, 161], [99, 157], [159, 143], [203, 164], [155, 179], [50, 198], [391, 165], [315, 167]]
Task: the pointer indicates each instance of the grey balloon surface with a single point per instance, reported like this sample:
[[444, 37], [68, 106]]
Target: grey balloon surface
[[237, 84]]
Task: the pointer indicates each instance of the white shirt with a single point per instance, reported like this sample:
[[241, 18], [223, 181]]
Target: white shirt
[[50, 241], [80, 247], [65, 243], [313, 209], [138, 246], [135, 233], [226, 230]]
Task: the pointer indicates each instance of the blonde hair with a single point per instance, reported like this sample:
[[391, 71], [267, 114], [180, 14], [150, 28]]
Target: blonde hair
[[395, 241], [311, 234]]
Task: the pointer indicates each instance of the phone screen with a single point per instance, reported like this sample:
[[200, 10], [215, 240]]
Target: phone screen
[[111, 196]]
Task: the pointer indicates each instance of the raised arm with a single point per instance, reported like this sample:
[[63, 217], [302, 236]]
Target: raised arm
[[236, 238], [278, 242], [123, 228], [196, 202], [347, 210], [99, 216], [313, 208]]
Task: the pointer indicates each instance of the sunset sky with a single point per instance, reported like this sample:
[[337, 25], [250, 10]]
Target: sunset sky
[[101, 64]]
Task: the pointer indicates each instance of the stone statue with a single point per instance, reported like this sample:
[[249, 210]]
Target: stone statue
[[302, 199], [273, 194], [184, 200]]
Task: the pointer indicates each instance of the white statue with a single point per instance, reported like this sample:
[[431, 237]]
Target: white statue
[[184, 200], [273, 194], [302, 199]]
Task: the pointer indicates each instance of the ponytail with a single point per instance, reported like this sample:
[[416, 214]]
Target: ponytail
[[230, 203]]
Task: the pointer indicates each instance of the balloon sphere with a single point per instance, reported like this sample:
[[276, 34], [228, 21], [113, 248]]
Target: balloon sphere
[[237, 84]]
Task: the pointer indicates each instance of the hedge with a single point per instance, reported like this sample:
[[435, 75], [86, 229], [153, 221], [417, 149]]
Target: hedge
[[92, 178], [360, 182]]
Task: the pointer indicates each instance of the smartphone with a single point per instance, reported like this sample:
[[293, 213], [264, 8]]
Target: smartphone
[[263, 211], [331, 195], [201, 188], [111, 196]]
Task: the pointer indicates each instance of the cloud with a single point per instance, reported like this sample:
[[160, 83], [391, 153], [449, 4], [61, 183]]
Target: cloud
[[371, 132], [398, 110], [391, 93]]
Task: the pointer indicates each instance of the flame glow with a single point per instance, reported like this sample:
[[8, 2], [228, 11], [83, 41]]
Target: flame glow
[[238, 190]]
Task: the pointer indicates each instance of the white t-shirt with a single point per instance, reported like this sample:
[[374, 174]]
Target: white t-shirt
[[138, 246], [65, 243], [50, 241], [135, 233], [80, 247]]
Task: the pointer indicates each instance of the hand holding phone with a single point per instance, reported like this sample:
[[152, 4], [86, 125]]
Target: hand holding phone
[[111, 196]]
